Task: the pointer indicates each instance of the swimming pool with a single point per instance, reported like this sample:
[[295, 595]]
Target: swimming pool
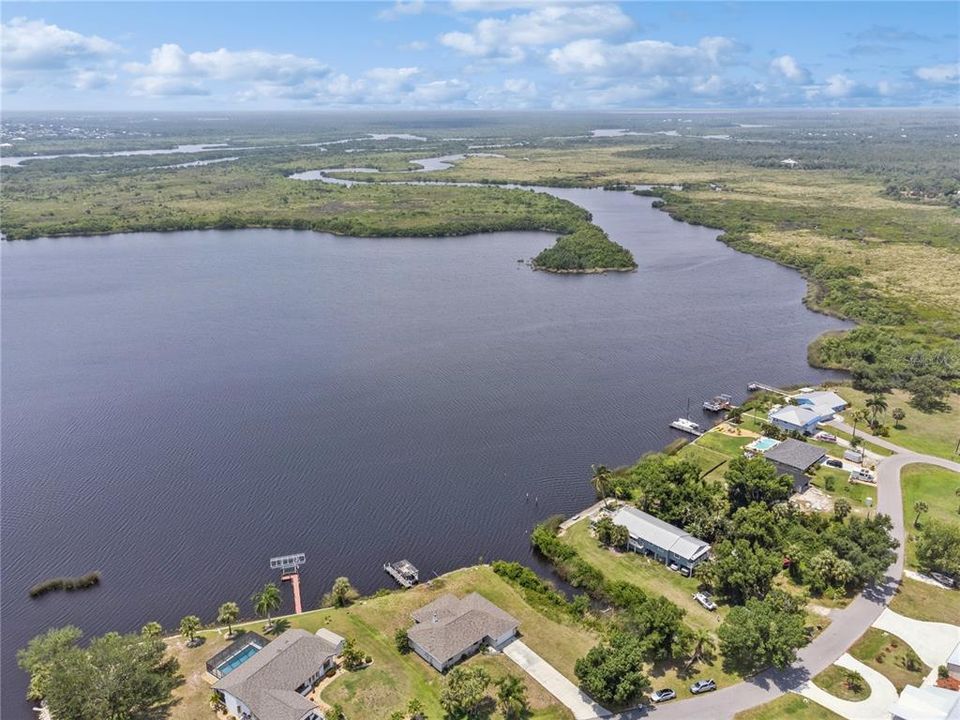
[[235, 661], [763, 444]]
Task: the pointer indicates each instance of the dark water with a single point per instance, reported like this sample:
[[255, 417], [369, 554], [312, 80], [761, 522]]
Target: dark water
[[177, 408]]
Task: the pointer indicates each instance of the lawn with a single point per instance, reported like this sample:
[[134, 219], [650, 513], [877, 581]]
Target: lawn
[[393, 679], [891, 656], [926, 602], [788, 706], [730, 445], [936, 487], [929, 433], [706, 459], [856, 493], [834, 681]]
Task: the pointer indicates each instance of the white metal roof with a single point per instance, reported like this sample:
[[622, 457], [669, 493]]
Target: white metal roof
[[645, 526]]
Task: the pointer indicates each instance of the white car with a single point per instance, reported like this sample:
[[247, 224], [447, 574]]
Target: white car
[[825, 437], [663, 695], [706, 600]]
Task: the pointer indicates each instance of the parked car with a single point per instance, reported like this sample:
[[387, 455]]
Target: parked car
[[705, 599], [663, 695], [702, 686], [833, 462], [825, 437], [943, 579]]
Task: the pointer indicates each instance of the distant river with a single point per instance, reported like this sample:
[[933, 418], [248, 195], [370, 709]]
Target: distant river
[[178, 408]]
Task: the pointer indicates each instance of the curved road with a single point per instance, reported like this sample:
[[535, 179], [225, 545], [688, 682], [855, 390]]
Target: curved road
[[846, 625]]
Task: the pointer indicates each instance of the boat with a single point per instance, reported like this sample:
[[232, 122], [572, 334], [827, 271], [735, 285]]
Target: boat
[[403, 572], [687, 426], [718, 403]]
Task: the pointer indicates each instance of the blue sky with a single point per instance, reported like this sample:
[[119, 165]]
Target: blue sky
[[477, 54]]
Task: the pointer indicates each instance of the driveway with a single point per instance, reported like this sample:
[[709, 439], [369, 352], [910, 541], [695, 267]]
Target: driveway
[[579, 703], [932, 641], [882, 693]]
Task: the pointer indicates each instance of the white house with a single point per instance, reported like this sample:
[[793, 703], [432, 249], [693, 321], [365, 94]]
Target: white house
[[821, 399], [450, 629], [798, 418], [669, 544], [926, 703], [953, 663], [273, 682]]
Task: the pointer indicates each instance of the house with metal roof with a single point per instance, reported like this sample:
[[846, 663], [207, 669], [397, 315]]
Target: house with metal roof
[[820, 399], [798, 418], [926, 703], [653, 536], [273, 683], [450, 629], [796, 458]]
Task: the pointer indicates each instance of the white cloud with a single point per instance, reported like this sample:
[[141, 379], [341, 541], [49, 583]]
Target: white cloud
[[839, 86], [492, 5], [939, 74], [172, 61], [415, 45], [36, 45], [642, 57], [35, 53], [401, 8], [789, 69], [508, 39]]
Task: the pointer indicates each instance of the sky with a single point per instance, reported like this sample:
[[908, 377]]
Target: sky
[[477, 54]]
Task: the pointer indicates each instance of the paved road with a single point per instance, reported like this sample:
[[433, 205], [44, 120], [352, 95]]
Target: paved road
[[846, 625]]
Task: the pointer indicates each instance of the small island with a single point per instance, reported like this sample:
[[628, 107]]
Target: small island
[[587, 249]]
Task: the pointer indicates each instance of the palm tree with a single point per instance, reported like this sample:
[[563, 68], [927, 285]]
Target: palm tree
[[841, 508], [227, 615], [152, 629], [279, 626], [859, 416], [877, 405], [898, 415], [188, 628], [919, 507], [415, 710], [267, 600], [601, 481], [703, 644], [511, 697]]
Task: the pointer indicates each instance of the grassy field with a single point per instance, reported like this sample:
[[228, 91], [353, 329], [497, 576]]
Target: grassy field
[[790, 706], [834, 681], [393, 679], [856, 493], [890, 656], [935, 486], [929, 433], [926, 602]]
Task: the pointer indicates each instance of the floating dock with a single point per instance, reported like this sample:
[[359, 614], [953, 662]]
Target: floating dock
[[403, 572]]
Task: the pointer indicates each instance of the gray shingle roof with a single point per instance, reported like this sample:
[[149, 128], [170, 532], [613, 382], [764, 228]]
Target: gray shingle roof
[[266, 683], [662, 534], [795, 454], [448, 626], [799, 415]]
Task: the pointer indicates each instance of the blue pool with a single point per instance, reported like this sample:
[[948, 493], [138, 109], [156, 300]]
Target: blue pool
[[763, 444], [237, 660]]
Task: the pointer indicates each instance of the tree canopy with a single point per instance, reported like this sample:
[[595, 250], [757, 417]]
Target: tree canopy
[[612, 671], [763, 633], [756, 480]]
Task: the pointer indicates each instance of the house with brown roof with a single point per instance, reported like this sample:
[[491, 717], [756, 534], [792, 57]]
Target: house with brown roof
[[450, 629]]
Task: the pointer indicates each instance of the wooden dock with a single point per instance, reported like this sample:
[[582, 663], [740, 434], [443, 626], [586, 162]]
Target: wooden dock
[[755, 386]]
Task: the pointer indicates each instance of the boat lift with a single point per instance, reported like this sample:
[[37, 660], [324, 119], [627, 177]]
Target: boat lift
[[289, 567]]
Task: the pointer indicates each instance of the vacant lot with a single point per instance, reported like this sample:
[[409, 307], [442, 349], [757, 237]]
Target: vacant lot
[[927, 602], [789, 706], [935, 486]]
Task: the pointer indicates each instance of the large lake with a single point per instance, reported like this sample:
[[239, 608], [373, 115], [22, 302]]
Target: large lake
[[178, 408]]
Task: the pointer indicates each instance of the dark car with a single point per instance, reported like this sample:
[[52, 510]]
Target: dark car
[[663, 695], [702, 686], [833, 462]]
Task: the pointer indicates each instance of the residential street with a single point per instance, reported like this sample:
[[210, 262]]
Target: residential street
[[846, 626]]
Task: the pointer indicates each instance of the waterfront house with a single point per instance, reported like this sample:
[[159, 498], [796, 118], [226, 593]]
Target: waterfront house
[[821, 399], [450, 629], [273, 682], [797, 418], [653, 536], [795, 458], [953, 663]]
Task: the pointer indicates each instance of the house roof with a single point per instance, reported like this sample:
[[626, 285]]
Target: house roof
[[267, 682], [795, 454], [330, 636], [954, 658], [821, 397], [449, 625], [798, 415], [645, 526], [927, 703]]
